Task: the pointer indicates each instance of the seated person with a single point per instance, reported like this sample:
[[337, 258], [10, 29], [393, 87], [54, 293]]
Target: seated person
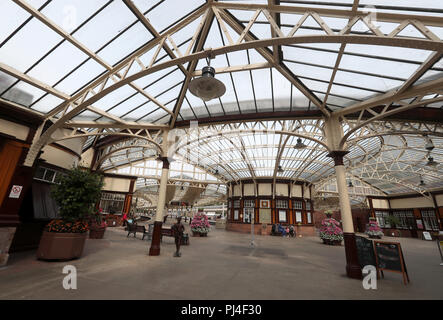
[[281, 230], [292, 231], [273, 231]]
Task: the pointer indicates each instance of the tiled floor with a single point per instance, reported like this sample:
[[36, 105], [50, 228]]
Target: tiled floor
[[220, 266]]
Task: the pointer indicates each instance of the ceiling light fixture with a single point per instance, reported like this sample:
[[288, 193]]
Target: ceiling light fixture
[[300, 144], [280, 169], [207, 87], [431, 162], [429, 144], [350, 184], [422, 183]]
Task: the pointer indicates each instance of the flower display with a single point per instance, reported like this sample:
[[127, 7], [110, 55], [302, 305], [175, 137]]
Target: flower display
[[63, 226], [200, 223], [330, 230], [373, 229], [97, 220]]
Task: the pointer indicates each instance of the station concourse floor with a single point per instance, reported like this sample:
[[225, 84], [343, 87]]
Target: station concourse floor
[[221, 266]]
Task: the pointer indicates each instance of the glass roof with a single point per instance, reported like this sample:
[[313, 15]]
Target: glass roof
[[65, 45], [126, 62]]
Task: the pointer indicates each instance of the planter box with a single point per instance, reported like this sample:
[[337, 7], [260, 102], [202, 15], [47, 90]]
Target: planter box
[[61, 246], [199, 234], [332, 242], [97, 233]]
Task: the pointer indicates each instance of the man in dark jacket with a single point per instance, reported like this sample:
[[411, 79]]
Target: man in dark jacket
[[177, 231]]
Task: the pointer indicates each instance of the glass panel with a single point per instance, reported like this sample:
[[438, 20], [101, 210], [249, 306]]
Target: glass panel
[[26, 46]]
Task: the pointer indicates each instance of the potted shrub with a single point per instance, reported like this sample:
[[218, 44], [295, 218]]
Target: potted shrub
[[373, 230], [76, 196], [200, 225], [97, 226], [330, 231], [392, 221]]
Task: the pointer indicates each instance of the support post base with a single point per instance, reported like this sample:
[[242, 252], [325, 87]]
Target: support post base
[[353, 269], [155, 242]]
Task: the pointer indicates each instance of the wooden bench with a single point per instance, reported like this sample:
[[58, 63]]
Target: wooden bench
[[167, 232], [134, 228]]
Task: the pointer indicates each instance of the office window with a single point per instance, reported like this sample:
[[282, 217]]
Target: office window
[[236, 203], [406, 219], [308, 205], [249, 203], [297, 204], [112, 202], [381, 219], [429, 220], [235, 214], [247, 214], [282, 204]]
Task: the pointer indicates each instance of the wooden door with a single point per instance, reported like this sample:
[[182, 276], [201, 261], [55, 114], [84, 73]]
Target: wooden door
[[9, 156]]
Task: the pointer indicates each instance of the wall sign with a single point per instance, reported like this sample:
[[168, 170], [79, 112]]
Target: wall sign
[[265, 203], [427, 235], [15, 192]]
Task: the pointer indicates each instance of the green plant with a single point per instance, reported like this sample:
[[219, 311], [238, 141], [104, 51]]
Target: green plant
[[392, 220], [78, 192]]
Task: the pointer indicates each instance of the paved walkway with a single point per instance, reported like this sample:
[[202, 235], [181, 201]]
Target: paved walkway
[[220, 266]]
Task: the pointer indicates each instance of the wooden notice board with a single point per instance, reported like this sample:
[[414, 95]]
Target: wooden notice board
[[389, 257], [365, 252]]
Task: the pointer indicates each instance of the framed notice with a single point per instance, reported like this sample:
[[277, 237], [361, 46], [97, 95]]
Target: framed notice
[[419, 224], [265, 203], [308, 214], [427, 236], [282, 215], [297, 216]]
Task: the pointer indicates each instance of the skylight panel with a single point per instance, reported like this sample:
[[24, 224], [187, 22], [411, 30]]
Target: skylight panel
[[244, 89], [298, 54], [128, 42], [6, 81], [56, 65], [12, 16], [128, 105], [23, 93], [80, 77], [28, 45], [378, 66], [140, 112], [106, 25], [162, 17], [47, 103]]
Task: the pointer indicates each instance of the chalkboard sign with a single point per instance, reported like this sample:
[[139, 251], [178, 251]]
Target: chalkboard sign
[[389, 257], [365, 252]]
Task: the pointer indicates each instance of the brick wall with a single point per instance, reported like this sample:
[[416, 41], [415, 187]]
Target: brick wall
[[307, 231]]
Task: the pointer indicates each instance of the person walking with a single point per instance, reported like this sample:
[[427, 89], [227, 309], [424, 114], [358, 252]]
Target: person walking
[[177, 231]]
